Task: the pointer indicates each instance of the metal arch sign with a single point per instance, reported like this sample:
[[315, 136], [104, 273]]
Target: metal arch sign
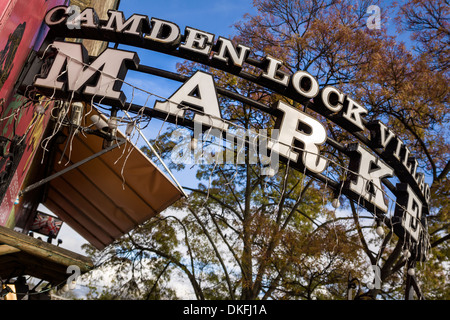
[[368, 171]]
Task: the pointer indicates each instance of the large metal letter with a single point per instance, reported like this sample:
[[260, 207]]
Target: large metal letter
[[227, 47], [365, 175], [311, 133], [74, 56], [273, 73], [409, 210], [198, 41], [353, 114], [133, 25], [199, 92], [164, 33]]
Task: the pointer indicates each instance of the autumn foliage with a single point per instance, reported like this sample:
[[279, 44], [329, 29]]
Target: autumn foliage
[[246, 236]]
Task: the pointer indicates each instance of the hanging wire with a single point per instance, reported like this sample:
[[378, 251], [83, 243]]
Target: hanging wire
[[183, 108], [63, 112]]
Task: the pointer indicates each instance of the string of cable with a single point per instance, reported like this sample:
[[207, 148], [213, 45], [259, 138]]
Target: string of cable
[[183, 108]]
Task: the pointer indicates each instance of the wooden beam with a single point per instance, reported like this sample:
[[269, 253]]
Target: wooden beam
[[44, 250], [5, 249]]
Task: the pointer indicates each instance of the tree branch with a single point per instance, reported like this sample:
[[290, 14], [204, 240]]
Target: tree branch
[[197, 289], [441, 240], [360, 234], [223, 204], [211, 241]]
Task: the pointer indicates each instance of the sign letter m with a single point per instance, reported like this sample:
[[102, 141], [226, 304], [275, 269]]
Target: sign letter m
[[72, 72]]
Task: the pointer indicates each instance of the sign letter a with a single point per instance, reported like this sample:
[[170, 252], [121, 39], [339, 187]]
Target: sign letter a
[[198, 93]]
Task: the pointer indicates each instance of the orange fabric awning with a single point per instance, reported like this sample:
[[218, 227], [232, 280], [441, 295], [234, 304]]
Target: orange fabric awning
[[110, 194]]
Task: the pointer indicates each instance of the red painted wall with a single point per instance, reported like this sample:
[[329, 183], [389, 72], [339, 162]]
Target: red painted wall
[[21, 30]]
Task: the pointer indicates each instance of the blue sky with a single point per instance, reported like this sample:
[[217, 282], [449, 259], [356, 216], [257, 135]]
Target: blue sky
[[214, 16]]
